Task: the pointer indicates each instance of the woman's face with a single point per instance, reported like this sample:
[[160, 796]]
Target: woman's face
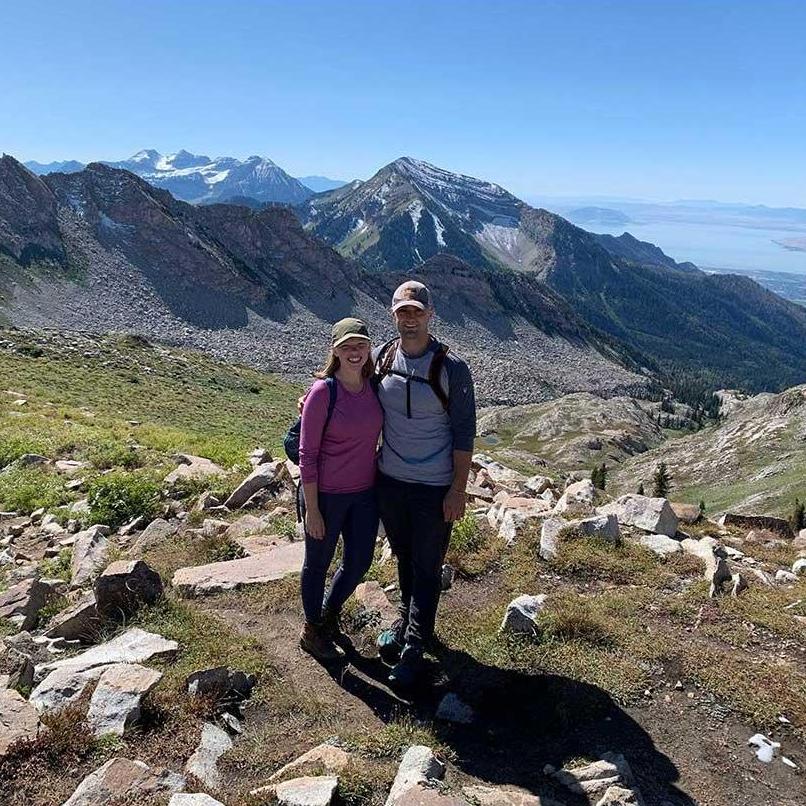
[[353, 353]]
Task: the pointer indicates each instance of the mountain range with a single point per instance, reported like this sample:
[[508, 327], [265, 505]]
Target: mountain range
[[535, 296], [199, 179]]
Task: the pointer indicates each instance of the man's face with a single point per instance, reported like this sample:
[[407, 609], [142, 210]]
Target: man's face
[[412, 322]]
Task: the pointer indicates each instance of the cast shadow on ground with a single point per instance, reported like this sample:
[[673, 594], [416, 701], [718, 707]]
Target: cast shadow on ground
[[523, 722]]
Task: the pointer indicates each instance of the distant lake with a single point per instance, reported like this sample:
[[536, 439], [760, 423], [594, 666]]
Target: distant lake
[[717, 245]]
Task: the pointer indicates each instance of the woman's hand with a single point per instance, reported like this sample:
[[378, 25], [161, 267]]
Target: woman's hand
[[314, 524]]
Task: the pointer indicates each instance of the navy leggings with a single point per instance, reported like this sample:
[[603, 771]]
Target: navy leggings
[[355, 517]]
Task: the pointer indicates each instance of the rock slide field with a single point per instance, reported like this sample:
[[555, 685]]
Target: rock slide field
[[593, 646]]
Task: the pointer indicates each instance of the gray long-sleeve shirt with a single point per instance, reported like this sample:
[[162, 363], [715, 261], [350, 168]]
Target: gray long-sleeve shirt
[[419, 436]]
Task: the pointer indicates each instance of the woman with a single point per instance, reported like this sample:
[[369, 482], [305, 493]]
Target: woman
[[337, 473]]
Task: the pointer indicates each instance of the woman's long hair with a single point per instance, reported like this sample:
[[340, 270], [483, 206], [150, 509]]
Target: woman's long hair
[[332, 364]]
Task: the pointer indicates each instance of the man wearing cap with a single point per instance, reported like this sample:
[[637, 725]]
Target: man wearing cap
[[429, 426]]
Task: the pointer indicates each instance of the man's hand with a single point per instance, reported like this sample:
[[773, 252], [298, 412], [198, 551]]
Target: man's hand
[[453, 505], [314, 524]]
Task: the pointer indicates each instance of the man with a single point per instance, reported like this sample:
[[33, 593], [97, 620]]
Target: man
[[429, 426]]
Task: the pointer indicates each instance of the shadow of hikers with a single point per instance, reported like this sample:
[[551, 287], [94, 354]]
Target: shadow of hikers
[[525, 721]]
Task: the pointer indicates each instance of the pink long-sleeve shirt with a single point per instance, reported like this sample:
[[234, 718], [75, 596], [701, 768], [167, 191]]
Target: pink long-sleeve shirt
[[343, 461]]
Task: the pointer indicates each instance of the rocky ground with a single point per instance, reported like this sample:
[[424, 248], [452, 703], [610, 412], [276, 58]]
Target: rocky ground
[[592, 648]]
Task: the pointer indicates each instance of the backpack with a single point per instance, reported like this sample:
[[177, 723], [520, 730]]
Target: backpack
[[383, 367], [292, 436]]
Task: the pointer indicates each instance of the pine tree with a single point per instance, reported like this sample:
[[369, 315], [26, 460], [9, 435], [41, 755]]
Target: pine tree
[[599, 476], [603, 476], [702, 507], [799, 515], [641, 488], [661, 481]]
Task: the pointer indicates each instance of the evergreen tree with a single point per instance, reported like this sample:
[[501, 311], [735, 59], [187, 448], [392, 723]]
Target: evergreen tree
[[603, 476], [599, 476], [661, 481], [799, 515], [641, 488], [702, 507]]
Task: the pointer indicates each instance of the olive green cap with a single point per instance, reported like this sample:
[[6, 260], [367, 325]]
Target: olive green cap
[[349, 328]]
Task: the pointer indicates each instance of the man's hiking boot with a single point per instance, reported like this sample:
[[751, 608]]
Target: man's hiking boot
[[408, 671], [390, 642], [314, 640]]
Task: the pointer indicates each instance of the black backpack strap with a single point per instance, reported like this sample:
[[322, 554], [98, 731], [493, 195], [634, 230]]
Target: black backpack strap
[[332, 387], [435, 375]]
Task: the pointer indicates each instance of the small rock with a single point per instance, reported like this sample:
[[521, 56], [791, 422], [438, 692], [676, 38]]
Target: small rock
[[521, 615], [419, 766], [196, 468], [448, 575], [309, 791], [262, 476], [660, 544], [549, 536], [194, 799], [785, 576], [648, 514], [375, 604], [21, 603], [223, 685], [120, 777], [578, 497], [89, 555], [18, 719], [766, 749], [799, 566], [259, 456], [452, 709], [156, 533], [325, 756], [78, 622], [202, 764]]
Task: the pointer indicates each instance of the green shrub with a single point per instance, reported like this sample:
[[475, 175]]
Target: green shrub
[[108, 455], [25, 489], [58, 567], [12, 447], [118, 497], [466, 535]]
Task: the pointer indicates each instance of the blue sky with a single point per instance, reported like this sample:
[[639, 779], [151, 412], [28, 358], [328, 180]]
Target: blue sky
[[645, 98]]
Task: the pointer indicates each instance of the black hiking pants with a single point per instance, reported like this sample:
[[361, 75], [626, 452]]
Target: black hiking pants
[[418, 534]]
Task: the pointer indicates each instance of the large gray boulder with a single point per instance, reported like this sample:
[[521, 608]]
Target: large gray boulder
[[550, 536], [578, 498], [262, 476], [124, 586], [268, 566], [155, 534], [122, 777], [21, 603], [78, 622], [648, 514], [195, 468], [115, 703], [315, 790]]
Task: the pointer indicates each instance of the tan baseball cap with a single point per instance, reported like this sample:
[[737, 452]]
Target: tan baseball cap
[[411, 293]]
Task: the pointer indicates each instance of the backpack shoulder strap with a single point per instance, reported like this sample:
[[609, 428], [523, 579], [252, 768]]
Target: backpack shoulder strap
[[332, 387], [435, 375], [385, 360]]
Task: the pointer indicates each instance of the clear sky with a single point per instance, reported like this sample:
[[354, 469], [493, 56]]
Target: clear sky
[[659, 99]]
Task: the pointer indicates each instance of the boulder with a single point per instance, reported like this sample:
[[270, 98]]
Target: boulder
[[63, 681], [246, 525], [419, 766], [780, 526], [503, 796], [193, 799], [309, 791], [605, 527], [648, 514], [156, 533], [452, 709], [124, 586], [268, 566], [539, 484], [196, 468], [550, 536], [221, 684], [686, 513], [122, 777], [785, 576], [327, 757], [578, 497], [521, 614], [799, 566], [595, 779], [69, 467], [115, 703], [259, 456], [79, 622], [89, 555], [497, 473], [21, 603], [206, 501], [262, 476], [18, 719], [618, 796], [202, 764], [660, 544], [374, 604]]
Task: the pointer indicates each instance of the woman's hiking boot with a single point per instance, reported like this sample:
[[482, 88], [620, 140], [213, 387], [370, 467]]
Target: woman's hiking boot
[[390, 642], [331, 628], [314, 640], [408, 671]]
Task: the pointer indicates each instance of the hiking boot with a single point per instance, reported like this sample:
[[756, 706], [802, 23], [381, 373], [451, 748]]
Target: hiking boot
[[390, 642], [317, 643], [331, 629], [408, 671]]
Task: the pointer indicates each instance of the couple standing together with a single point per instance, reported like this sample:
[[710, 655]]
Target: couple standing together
[[418, 399]]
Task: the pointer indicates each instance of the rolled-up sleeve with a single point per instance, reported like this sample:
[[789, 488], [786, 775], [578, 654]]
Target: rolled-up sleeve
[[314, 414], [462, 409]]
